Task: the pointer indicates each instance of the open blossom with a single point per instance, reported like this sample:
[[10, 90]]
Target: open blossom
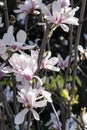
[[53, 122], [22, 65], [31, 99], [49, 63], [63, 63], [60, 16], [12, 43], [27, 7]]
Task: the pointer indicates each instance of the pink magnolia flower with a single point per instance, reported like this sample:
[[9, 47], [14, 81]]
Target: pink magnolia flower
[[27, 7], [60, 16], [15, 44], [63, 63], [22, 65], [30, 99], [49, 63]]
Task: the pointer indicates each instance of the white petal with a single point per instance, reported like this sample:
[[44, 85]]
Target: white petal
[[80, 48], [56, 9], [64, 27], [71, 20], [41, 103], [17, 11], [1, 25], [8, 37], [19, 119], [40, 81], [45, 10], [35, 114], [26, 47], [7, 69], [52, 61], [21, 36], [53, 68], [47, 54]]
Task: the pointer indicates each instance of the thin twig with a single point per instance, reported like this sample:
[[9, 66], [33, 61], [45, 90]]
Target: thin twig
[[47, 35], [8, 109], [56, 116], [29, 120], [70, 50], [6, 14], [77, 43]]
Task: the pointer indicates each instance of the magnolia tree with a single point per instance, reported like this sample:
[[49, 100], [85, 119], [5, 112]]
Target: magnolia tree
[[33, 74]]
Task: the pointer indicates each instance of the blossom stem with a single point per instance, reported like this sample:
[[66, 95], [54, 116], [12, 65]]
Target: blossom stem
[[6, 13], [14, 95], [56, 115], [47, 35], [29, 120], [77, 43], [7, 108], [26, 23], [70, 50]]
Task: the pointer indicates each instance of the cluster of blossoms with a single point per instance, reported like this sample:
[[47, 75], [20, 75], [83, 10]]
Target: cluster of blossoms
[[31, 93], [61, 15], [24, 67], [32, 98]]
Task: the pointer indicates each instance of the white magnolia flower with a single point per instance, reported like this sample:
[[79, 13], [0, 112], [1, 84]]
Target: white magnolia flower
[[15, 44], [32, 97], [23, 65], [30, 100], [63, 63], [53, 122], [27, 7], [1, 24], [49, 63], [60, 16]]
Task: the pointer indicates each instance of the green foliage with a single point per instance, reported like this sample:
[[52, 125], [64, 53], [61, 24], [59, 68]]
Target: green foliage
[[78, 80], [65, 93], [60, 80]]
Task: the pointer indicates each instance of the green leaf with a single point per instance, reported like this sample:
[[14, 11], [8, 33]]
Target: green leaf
[[65, 94]]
